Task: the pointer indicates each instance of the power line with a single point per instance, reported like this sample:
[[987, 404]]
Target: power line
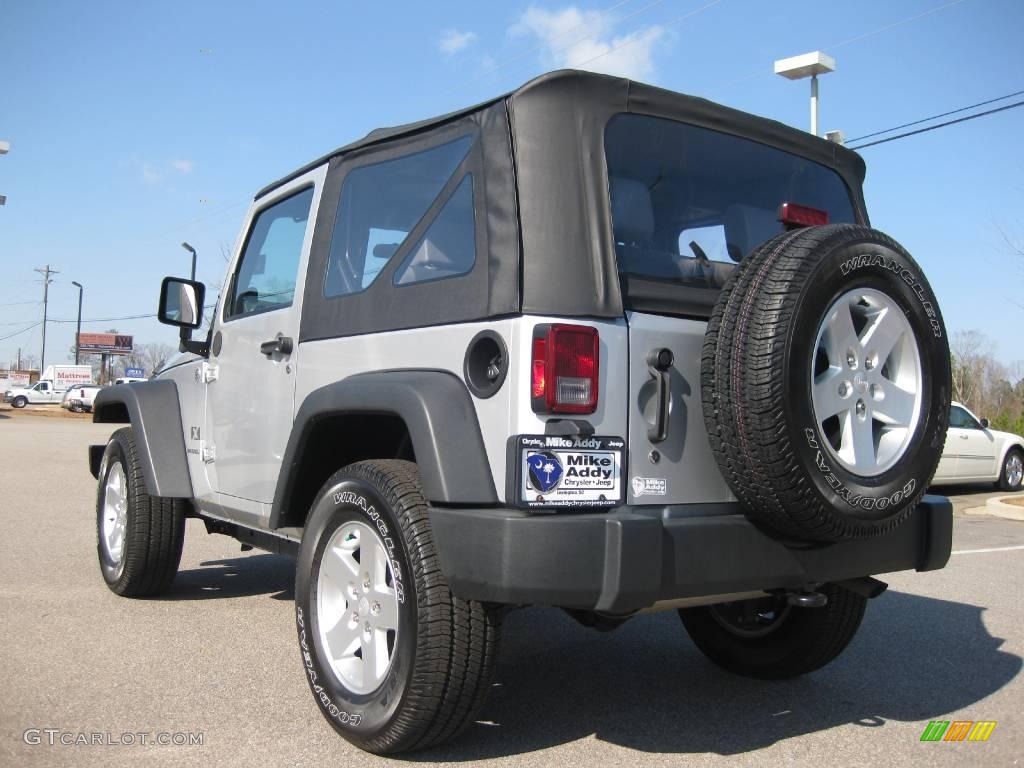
[[935, 117], [887, 27], [102, 319], [941, 125], [18, 303], [23, 330], [114, 319]]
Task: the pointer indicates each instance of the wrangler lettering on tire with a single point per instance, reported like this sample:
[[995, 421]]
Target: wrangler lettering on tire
[[825, 383], [394, 661]]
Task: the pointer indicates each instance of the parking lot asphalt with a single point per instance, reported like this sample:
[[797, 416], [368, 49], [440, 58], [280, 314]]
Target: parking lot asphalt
[[218, 656]]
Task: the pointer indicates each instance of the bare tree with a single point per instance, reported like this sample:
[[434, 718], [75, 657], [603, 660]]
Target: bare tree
[[971, 355]]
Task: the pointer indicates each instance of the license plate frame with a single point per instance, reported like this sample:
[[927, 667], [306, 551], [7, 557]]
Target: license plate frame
[[579, 471]]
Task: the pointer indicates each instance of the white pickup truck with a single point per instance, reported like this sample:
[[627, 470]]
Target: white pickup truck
[[50, 388], [79, 399]]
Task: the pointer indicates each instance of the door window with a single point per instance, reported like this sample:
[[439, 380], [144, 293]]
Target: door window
[[960, 418], [265, 278]]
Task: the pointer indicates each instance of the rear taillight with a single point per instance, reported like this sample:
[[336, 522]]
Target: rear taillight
[[565, 368], [793, 215]]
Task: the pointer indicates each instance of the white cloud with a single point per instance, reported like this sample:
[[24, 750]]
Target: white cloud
[[154, 173], [453, 41], [583, 40]]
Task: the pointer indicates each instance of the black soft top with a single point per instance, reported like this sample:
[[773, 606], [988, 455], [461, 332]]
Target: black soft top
[[604, 89], [543, 208]]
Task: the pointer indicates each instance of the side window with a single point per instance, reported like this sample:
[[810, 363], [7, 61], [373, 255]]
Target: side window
[[958, 417], [448, 247], [380, 205], [265, 278]]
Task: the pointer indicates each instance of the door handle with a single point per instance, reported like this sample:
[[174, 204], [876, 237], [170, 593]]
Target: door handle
[[963, 437], [658, 363], [280, 344]]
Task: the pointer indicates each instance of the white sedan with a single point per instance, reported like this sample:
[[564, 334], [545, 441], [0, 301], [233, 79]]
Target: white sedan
[[976, 454]]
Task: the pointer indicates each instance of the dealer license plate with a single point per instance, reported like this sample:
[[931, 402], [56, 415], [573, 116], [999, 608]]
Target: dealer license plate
[[573, 471]]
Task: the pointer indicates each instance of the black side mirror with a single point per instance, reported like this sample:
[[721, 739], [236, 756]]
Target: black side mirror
[[984, 423], [181, 302]]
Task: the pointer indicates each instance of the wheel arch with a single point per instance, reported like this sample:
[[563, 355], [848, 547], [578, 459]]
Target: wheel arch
[[153, 410], [1008, 445], [425, 416]]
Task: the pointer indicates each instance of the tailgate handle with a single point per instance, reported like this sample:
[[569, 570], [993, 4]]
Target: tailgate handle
[[659, 361], [281, 344]]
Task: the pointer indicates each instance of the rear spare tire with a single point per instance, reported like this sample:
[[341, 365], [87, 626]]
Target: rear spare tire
[[826, 384]]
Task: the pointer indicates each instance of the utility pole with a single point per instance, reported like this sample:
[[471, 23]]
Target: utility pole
[[45, 272]]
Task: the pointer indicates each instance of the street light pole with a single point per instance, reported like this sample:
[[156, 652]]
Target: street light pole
[[807, 65], [191, 250], [5, 147], [78, 328], [814, 105]]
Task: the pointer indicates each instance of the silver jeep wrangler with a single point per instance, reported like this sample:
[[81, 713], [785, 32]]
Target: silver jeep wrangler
[[591, 344]]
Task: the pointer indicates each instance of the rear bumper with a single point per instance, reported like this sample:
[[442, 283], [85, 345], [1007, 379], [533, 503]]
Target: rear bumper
[[633, 557]]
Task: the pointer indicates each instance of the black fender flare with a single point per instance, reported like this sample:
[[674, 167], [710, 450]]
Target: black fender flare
[[152, 409], [438, 412]]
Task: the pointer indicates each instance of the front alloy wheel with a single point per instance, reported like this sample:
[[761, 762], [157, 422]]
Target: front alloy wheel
[[767, 638], [138, 536], [114, 517]]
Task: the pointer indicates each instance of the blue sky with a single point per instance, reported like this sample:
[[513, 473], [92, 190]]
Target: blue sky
[[134, 126]]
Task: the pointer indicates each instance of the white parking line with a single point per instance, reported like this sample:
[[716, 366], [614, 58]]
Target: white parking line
[[980, 551]]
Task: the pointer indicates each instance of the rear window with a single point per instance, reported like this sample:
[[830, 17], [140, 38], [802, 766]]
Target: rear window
[[688, 203]]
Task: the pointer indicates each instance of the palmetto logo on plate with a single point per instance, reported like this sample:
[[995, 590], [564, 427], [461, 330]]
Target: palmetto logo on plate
[[545, 470]]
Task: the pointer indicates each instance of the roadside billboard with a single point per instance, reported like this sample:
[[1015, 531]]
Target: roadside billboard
[[12, 379], [105, 343]]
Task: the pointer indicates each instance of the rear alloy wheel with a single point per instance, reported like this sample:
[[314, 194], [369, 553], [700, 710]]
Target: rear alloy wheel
[[769, 639], [357, 607], [1012, 476], [825, 383], [394, 660]]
